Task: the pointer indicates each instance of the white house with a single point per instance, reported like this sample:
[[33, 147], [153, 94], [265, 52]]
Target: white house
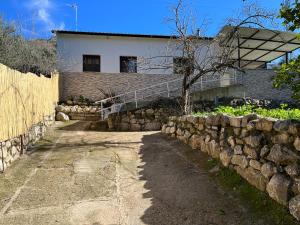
[[116, 53], [118, 63]]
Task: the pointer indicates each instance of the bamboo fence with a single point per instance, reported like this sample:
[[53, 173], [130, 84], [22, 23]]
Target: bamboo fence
[[25, 99]]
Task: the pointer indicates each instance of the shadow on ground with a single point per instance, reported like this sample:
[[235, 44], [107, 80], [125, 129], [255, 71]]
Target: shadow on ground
[[182, 192]]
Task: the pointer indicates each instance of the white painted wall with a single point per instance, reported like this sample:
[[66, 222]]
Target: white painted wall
[[70, 49]]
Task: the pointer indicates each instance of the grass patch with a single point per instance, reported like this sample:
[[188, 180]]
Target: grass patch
[[259, 202], [280, 113]]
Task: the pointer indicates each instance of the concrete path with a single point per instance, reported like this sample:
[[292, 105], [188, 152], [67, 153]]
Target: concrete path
[[92, 178]]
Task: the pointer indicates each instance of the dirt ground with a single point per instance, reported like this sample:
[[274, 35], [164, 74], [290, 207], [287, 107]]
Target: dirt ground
[[79, 177]]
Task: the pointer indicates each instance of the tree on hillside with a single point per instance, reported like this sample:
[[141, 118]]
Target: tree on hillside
[[199, 57], [36, 56], [288, 76]]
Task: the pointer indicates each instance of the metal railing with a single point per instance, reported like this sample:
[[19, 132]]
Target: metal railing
[[169, 89]]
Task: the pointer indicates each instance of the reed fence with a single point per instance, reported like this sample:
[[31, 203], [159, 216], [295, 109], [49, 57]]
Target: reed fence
[[25, 99]]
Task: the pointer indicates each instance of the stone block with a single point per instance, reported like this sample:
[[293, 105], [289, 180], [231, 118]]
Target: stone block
[[282, 138], [278, 188], [294, 207], [154, 126], [250, 152], [255, 164], [282, 155], [235, 121], [196, 141], [238, 150], [297, 143], [265, 124], [225, 157], [254, 177], [135, 127], [253, 141], [292, 170], [268, 170], [239, 160]]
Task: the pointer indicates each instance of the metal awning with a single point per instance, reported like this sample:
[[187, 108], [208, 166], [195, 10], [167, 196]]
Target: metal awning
[[255, 47]]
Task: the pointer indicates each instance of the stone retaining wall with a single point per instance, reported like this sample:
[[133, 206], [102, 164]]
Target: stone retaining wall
[[77, 112], [265, 152], [12, 149], [139, 120]]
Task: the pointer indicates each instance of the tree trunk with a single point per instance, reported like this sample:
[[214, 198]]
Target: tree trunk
[[186, 106]]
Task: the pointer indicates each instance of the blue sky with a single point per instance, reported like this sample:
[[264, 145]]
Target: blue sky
[[38, 17]]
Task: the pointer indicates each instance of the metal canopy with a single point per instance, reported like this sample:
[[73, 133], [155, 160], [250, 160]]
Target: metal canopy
[[256, 47]]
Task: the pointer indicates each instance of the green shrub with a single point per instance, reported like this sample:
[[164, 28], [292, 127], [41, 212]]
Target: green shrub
[[280, 113]]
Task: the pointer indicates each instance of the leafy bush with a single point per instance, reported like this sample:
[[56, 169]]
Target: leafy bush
[[280, 113], [36, 56]]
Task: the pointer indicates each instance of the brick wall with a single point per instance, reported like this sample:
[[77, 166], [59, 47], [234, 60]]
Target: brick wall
[[256, 84]]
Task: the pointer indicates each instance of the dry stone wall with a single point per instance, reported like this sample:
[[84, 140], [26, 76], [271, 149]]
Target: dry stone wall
[[147, 119], [265, 152], [77, 112], [12, 149]]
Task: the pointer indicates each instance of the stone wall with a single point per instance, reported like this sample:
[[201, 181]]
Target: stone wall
[[265, 152], [77, 112], [12, 149], [150, 119]]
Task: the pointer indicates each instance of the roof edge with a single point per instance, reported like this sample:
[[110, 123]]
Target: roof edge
[[122, 34]]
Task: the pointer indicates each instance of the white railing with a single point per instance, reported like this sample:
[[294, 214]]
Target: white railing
[[169, 89]]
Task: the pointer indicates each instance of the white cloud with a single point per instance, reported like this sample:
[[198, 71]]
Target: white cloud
[[43, 10]]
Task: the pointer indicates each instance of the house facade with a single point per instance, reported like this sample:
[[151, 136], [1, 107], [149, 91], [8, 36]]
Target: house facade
[[92, 63]]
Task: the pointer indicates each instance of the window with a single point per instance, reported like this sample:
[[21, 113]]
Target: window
[[91, 63], [182, 65], [128, 64]]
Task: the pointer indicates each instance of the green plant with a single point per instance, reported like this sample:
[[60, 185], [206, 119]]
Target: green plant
[[280, 113]]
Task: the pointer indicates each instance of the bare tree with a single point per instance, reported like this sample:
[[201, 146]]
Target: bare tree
[[198, 56]]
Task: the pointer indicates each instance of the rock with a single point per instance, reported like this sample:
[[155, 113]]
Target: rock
[[294, 207], [236, 131], [264, 151], [282, 155], [297, 144], [253, 141], [135, 127], [152, 126], [60, 108], [225, 157], [255, 164], [251, 125], [253, 176], [163, 128], [268, 170], [8, 144], [172, 130], [296, 186], [149, 111], [214, 149], [264, 124], [238, 150], [215, 169], [247, 118], [292, 170], [294, 128], [193, 119], [250, 152], [168, 130], [196, 141], [62, 117], [239, 160], [282, 138], [231, 141], [235, 121], [278, 188], [281, 125]]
